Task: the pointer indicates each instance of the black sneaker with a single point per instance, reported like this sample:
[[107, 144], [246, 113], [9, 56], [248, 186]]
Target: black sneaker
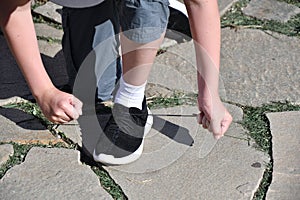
[[123, 138]]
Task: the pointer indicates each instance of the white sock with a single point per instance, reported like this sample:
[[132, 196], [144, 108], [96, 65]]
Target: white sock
[[130, 95]]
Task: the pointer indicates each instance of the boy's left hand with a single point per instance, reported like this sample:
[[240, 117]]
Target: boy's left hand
[[214, 116]]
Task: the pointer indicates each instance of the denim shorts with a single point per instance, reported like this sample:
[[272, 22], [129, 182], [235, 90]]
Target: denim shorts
[[143, 21]]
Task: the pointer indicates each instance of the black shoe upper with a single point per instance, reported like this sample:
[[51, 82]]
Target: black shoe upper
[[124, 131]]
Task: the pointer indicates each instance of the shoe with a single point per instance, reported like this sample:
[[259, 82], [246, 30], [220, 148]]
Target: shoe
[[123, 139]]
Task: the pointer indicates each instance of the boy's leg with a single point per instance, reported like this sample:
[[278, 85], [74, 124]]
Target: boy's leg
[[84, 29], [143, 24], [143, 27]]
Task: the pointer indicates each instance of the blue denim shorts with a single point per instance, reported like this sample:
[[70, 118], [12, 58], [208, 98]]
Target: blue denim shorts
[[144, 21]]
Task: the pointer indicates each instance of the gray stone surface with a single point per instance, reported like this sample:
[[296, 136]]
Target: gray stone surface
[[11, 78], [224, 5], [235, 111], [32, 133], [11, 100], [12, 81], [48, 48], [6, 150], [156, 90], [51, 174], [54, 62], [50, 10], [72, 131], [256, 67], [164, 73], [170, 168], [285, 129], [44, 30], [271, 10], [167, 43]]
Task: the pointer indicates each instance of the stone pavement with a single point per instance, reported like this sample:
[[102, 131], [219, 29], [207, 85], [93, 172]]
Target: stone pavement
[[285, 130], [180, 159]]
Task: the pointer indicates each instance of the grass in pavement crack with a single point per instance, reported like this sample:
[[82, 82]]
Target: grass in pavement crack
[[37, 18], [109, 184], [49, 39], [178, 98], [21, 150], [18, 157], [258, 126]]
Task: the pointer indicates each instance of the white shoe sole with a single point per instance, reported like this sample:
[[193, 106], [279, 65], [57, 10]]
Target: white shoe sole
[[111, 160]]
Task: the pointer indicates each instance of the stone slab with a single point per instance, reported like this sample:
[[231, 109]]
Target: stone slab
[[251, 72], [252, 67], [12, 82], [48, 48], [285, 129], [51, 174], [163, 73], [44, 30], [284, 186], [236, 112], [170, 168], [54, 62], [224, 5], [72, 131], [50, 10], [11, 100], [156, 90], [22, 119], [6, 150], [11, 131], [271, 10]]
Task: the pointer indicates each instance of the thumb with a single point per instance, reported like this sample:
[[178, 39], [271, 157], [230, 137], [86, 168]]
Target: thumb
[[225, 125], [215, 128]]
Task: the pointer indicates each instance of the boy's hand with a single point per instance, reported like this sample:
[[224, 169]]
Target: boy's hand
[[59, 107], [214, 116]]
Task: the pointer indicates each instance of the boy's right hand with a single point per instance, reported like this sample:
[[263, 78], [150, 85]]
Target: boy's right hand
[[59, 107]]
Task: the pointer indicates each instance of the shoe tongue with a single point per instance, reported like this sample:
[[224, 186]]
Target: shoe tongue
[[139, 116]]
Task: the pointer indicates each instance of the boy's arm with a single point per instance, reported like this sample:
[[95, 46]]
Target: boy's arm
[[17, 26], [205, 27]]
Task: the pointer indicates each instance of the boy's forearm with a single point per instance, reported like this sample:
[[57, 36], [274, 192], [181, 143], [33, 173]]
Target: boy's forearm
[[18, 28], [205, 27]]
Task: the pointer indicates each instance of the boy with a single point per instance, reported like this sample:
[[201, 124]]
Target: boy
[[143, 24]]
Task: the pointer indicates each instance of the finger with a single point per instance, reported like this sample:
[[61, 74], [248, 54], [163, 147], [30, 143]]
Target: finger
[[205, 123], [70, 111], [62, 121], [77, 104], [59, 120], [200, 117]]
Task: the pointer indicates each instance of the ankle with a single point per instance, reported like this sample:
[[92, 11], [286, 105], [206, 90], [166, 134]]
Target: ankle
[[130, 95]]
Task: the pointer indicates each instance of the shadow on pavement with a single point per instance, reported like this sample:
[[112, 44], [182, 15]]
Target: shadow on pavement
[[12, 83]]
